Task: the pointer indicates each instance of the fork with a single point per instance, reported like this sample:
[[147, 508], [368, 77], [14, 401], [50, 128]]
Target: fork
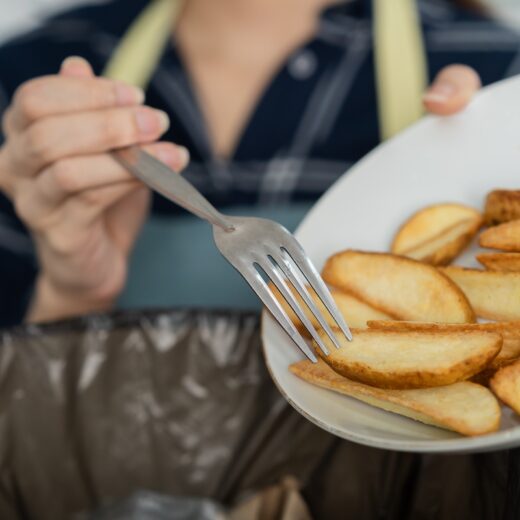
[[252, 246]]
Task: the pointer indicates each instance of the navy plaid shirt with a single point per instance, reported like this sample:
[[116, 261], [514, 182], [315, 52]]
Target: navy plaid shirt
[[315, 119]]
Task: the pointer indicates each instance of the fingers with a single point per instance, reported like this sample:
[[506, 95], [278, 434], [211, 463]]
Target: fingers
[[76, 89], [65, 228], [452, 90], [86, 177], [123, 221], [71, 176], [55, 95], [63, 130], [55, 138]]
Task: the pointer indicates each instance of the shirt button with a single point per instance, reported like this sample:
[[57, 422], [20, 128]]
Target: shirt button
[[303, 65]]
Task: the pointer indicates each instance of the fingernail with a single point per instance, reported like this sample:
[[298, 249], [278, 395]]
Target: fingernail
[[73, 60], [440, 92], [177, 156], [152, 122], [129, 95], [184, 156], [75, 63]]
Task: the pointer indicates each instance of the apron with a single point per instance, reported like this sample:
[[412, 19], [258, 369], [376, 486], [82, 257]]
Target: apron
[[175, 262]]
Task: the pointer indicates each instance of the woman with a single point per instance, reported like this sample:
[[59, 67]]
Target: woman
[[274, 101]]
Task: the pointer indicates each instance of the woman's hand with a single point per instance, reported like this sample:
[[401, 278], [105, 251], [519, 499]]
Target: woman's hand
[[452, 90], [84, 210]]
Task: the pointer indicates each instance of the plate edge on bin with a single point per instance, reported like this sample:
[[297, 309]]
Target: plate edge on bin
[[508, 438]]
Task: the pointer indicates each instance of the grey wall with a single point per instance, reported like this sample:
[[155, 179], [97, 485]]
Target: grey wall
[[16, 15], [19, 15]]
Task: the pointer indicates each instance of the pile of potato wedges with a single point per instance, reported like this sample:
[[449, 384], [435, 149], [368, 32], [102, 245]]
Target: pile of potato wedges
[[433, 341]]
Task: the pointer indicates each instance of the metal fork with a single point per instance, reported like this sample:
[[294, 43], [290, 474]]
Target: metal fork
[[251, 245]]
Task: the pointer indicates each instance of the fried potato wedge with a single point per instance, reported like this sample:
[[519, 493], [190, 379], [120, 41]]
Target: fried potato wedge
[[355, 312], [437, 234], [505, 383], [510, 351], [400, 287], [466, 408], [509, 330], [446, 246], [493, 294], [428, 223], [505, 237], [502, 206], [484, 378], [403, 360], [509, 262]]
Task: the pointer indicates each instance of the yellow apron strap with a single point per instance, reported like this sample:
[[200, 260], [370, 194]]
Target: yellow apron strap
[[140, 50], [401, 66], [401, 72]]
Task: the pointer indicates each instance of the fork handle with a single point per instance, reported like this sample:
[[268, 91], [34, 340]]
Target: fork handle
[[173, 186]]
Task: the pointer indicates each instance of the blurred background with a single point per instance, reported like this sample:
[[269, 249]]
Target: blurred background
[[20, 15], [506, 10], [23, 14]]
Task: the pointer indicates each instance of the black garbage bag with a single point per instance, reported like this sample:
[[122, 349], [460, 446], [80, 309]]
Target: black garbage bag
[[95, 410]]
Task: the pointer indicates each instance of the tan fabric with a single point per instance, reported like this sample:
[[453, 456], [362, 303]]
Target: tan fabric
[[400, 59], [281, 502], [140, 50]]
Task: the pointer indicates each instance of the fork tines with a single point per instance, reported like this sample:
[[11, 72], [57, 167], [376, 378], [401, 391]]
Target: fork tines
[[285, 266]]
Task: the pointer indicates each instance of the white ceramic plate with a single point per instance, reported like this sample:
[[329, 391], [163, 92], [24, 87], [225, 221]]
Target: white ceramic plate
[[456, 159]]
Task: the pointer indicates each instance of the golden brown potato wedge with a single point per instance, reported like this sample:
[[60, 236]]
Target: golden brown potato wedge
[[509, 330], [402, 360], [509, 352], [465, 407], [505, 383], [355, 312], [505, 237], [502, 206], [437, 234], [430, 222], [484, 377], [509, 262], [400, 287], [494, 295], [442, 249]]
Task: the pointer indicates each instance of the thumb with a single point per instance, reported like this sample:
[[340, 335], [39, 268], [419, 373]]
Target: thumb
[[77, 67], [452, 90]]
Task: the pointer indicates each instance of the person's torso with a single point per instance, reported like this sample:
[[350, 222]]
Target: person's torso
[[316, 117]]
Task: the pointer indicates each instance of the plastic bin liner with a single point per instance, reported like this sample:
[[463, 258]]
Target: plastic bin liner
[[152, 506], [95, 410]]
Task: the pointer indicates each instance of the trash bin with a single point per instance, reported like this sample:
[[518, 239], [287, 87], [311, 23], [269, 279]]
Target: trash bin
[[178, 405]]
